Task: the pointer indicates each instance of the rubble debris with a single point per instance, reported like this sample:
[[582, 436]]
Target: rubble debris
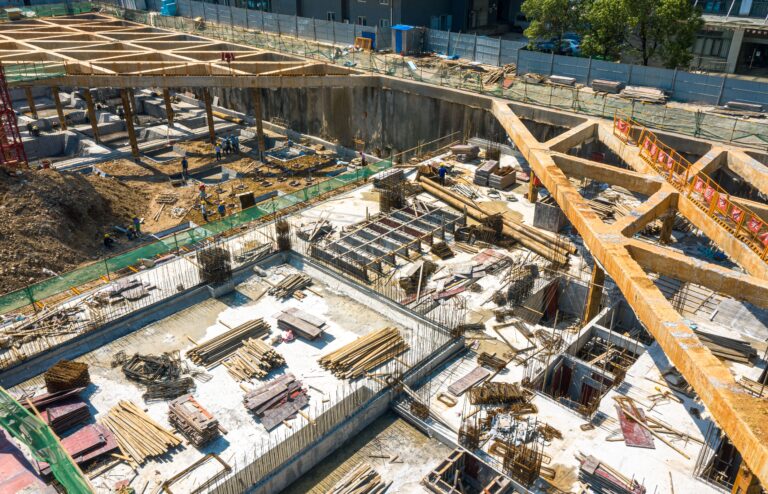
[[167, 390], [139, 436], [498, 393], [65, 375], [212, 352], [150, 369], [365, 353], [277, 400], [193, 421]]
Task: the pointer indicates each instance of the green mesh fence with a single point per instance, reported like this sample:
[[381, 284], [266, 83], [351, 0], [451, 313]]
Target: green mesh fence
[[44, 446], [86, 274]]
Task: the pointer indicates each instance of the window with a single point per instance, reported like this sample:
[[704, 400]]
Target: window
[[331, 16], [361, 20], [384, 2], [383, 22]]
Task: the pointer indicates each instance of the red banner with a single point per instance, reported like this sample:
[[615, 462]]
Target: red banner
[[622, 126], [736, 214], [754, 224], [698, 185], [709, 193], [722, 204], [764, 238]]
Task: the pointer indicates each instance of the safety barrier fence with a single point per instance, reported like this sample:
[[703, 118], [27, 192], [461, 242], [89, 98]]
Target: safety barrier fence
[[699, 187]]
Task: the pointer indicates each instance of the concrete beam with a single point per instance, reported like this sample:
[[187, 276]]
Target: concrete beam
[[655, 207], [742, 417], [662, 260], [574, 137], [710, 162], [641, 183], [751, 170]]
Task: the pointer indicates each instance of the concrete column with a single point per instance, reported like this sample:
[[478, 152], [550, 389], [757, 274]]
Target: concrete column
[[533, 189], [595, 294], [746, 482], [168, 107], [734, 50], [134, 109], [209, 115], [256, 94], [746, 7], [124, 94], [31, 102], [92, 114], [59, 108], [666, 227]]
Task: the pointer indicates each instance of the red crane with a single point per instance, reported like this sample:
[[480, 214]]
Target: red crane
[[12, 154]]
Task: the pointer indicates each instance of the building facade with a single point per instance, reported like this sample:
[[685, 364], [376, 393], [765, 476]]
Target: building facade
[[734, 38], [454, 15]]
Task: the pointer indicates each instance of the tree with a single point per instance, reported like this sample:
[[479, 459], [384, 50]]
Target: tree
[[609, 26], [550, 19], [664, 27]]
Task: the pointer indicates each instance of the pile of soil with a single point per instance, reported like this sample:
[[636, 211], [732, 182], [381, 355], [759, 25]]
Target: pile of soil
[[52, 222]]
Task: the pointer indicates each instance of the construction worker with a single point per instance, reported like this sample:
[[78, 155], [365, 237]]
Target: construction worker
[[204, 212], [184, 168], [222, 210], [441, 172], [227, 146], [202, 194], [108, 241], [236, 144], [217, 149], [131, 233], [137, 225]]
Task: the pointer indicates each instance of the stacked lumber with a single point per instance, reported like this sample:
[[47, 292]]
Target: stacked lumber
[[502, 178], [362, 479], [66, 375], [604, 86], [498, 393], [442, 250], [212, 352], [300, 323], [255, 359], [192, 420], [276, 400], [561, 80], [727, 348], [365, 353], [548, 245], [484, 171], [642, 93], [290, 284], [139, 436], [492, 361], [66, 414], [604, 478]]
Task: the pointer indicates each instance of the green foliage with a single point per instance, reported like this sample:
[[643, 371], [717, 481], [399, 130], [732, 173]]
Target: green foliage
[[550, 18], [608, 24], [664, 28]]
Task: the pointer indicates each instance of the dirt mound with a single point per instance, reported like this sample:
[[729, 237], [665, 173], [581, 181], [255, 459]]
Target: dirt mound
[[50, 222]]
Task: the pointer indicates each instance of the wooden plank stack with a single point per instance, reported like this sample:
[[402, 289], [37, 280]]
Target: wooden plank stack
[[502, 178], [168, 390], [138, 435], [288, 285], [41, 402], [605, 86], [604, 478], [84, 446], [277, 400], [365, 353], [362, 479], [300, 323], [442, 250], [475, 376], [66, 375], [192, 420], [255, 359], [66, 414], [214, 351], [642, 93], [483, 172], [727, 348]]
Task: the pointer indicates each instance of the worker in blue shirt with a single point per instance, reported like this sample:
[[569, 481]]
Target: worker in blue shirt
[[441, 172]]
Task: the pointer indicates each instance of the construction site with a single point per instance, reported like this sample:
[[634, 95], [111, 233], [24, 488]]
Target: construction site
[[232, 264]]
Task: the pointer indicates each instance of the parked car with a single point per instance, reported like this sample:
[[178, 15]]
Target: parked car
[[566, 47]]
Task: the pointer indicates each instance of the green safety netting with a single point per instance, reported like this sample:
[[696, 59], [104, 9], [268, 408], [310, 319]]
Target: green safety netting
[[86, 274], [32, 432]]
